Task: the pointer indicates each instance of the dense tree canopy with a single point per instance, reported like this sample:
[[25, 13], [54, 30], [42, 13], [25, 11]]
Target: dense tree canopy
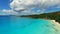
[[52, 16]]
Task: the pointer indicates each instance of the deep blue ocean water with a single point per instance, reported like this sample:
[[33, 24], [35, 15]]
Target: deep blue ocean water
[[19, 25]]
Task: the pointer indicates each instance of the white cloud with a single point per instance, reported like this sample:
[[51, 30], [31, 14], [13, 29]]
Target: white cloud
[[27, 4], [8, 12], [27, 7], [58, 6]]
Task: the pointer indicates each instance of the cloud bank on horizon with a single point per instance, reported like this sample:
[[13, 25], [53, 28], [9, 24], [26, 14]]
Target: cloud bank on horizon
[[28, 7]]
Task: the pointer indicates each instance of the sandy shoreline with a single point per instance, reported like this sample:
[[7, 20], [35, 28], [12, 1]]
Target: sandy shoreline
[[55, 23]]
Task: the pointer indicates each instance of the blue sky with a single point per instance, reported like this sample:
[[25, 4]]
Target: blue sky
[[21, 7], [4, 4]]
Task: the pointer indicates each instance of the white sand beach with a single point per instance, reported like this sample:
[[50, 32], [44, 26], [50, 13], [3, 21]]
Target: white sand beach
[[56, 24]]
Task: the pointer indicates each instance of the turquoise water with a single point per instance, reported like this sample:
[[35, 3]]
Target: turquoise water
[[19, 25]]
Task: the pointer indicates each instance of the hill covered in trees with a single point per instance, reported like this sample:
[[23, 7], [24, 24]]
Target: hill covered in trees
[[52, 16]]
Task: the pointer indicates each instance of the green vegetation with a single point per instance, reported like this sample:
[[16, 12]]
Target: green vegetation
[[52, 16]]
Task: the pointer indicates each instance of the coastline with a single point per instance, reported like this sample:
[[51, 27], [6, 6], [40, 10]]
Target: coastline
[[55, 23], [48, 16]]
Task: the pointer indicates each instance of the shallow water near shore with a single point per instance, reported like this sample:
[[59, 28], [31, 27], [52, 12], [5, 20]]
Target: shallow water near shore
[[19, 25]]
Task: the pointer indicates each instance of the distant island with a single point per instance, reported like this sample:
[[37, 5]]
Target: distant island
[[51, 16]]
